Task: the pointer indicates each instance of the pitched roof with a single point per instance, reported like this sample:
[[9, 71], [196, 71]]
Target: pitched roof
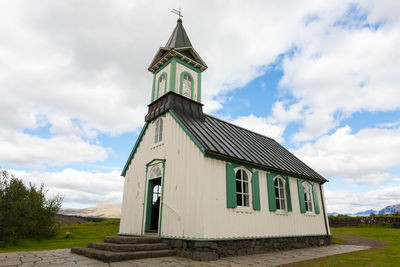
[[178, 37], [224, 139]]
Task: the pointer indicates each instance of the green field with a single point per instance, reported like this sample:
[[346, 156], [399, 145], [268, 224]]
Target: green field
[[80, 235], [382, 256]]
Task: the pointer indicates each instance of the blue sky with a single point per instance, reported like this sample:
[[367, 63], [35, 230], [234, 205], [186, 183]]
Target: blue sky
[[322, 78]]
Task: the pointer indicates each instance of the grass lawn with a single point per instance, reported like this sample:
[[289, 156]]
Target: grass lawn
[[383, 256], [80, 235]]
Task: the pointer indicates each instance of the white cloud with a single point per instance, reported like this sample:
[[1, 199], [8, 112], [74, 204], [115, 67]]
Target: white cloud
[[361, 157], [261, 125], [79, 188], [337, 70], [19, 149], [350, 202]]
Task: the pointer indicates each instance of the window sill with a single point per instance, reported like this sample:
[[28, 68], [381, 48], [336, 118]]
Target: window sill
[[282, 213], [157, 145], [244, 210], [309, 213]]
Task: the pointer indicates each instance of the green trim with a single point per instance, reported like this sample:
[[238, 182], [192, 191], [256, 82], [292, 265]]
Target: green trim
[[238, 238], [271, 192], [301, 195], [172, 75], [161, 160], [128, 162], [231, 201], [187, 131], [165, 85], [181, 83], [199, 87], [163, 66], [255, 191], [147, 204], [184, 63], [162, 200], [315, 197]]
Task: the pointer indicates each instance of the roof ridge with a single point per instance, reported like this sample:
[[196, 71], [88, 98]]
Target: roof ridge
[[240, 127]]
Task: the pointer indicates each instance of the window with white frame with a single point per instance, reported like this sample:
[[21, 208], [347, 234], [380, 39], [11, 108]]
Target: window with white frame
[[242, 189], [280, 194], [159, 131], [307, 196], [187, 85]]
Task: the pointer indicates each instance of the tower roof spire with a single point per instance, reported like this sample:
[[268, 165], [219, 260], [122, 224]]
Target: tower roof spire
[[178, 37]]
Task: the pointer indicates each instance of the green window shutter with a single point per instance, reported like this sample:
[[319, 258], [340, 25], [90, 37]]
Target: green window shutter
[[301, 196], [288, 197], [315, 197], [271, 192], [255, 191], [230, 187]]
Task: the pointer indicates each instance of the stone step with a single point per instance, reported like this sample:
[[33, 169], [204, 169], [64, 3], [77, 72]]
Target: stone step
[[112, 256], [128, 247], [132, 239]]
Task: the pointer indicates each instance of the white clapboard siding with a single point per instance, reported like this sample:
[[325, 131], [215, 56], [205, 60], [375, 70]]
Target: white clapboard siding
[[194, 196]]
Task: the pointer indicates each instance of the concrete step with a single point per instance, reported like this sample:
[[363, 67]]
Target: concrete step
[[128, 247], [112, 256], [132, 239]]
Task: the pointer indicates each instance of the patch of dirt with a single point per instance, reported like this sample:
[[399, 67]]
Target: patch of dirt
[[347, 240], [360, 241]]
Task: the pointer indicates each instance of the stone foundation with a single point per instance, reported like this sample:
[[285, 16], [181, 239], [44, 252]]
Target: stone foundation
[[213, 250]]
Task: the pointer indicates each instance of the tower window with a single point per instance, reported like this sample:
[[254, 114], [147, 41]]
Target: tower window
[[159, 131], [161, 84], [187, 85]]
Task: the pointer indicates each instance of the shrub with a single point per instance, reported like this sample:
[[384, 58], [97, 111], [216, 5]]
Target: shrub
[[25, 211]]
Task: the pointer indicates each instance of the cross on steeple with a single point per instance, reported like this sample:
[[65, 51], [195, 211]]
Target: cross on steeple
[[177, 12]]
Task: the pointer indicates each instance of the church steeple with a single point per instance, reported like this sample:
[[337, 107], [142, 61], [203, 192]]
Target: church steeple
[[177, 67]]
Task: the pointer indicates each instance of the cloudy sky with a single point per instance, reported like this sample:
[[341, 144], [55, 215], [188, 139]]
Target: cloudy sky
[[321, 77]]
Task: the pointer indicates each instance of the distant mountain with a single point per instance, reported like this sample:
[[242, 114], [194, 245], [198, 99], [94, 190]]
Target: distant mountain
[[367, 212], [390, 209], [104, 210], [333, 214]]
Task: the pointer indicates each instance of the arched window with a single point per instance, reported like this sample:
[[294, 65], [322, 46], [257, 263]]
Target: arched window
[[159, 131], [187, 85], [155, 173], [307, 196], [161, 84], [242, 188], [280, 194]]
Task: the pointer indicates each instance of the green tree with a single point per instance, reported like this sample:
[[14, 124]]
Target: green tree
[[24, 210]]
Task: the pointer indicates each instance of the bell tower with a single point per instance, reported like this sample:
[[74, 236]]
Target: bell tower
[[177, 67]]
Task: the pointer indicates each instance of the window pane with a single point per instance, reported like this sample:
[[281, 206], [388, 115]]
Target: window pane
[[246, 200], [282, 195], [238, 175], [244, 176], [239, 199], [276, 182], [278, 204], [238, 186], [245, 187], [283, 204], [276, 192]]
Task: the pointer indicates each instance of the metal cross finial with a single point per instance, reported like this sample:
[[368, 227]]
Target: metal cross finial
[[177, 12]]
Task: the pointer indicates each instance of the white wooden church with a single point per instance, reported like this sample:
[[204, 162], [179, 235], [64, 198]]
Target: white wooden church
[[195, 178]]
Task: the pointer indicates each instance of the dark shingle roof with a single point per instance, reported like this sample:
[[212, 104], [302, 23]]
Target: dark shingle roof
[[178, 37], [226, 139]]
